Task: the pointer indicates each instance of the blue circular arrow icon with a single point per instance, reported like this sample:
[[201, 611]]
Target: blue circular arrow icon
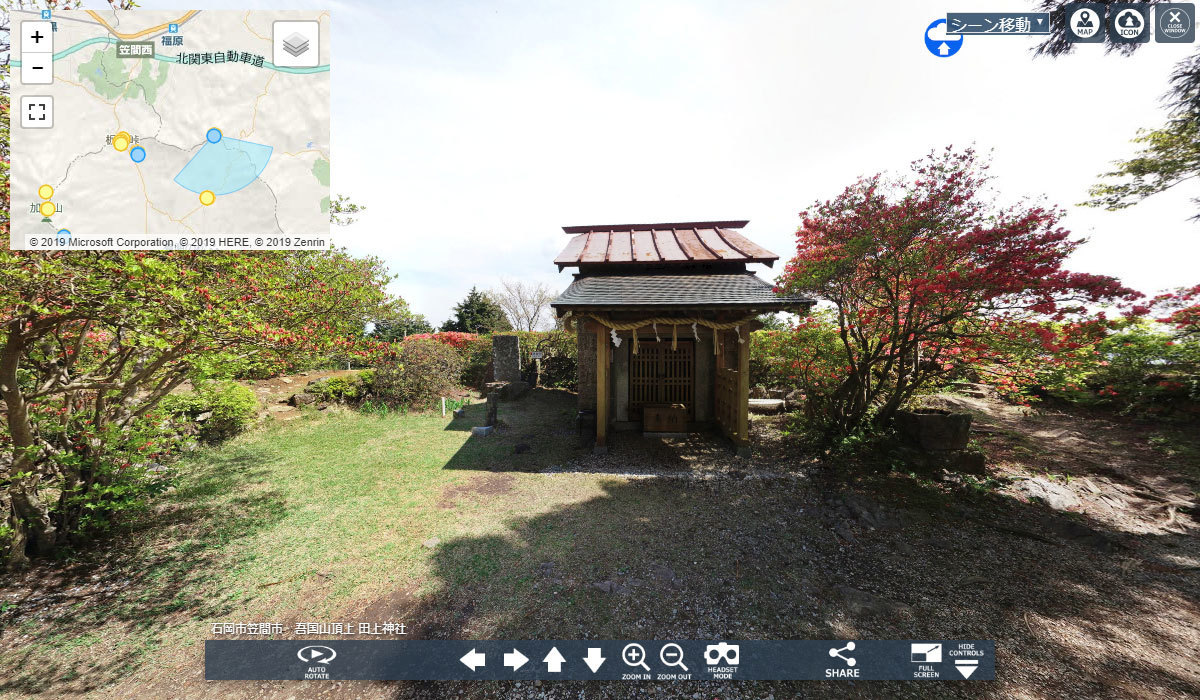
[[940, 43]]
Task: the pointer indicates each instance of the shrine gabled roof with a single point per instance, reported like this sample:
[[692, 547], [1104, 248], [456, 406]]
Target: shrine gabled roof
[[743, 289], [659, 244]]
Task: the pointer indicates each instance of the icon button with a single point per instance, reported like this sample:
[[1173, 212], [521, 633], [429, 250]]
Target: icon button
[[926, 653], [37, 68], [1085, 22], [938, 42], [595, 658], [850, 661], [554, 660], [634, 654], [1175, 23], [37, 111], [1129, 23], [966, 666], [36, 36], [515, 659], [672, 655], [295, 43], [722, 653], [474, 659]]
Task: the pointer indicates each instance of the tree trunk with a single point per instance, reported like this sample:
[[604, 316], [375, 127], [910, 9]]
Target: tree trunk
[[30, 521], [28, 516]]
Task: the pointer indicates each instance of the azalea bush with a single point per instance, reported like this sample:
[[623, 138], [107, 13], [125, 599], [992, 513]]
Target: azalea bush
[[803, 357], [105, 336], [928, 276], [559, 360], [1150, 364], [106, 468], [454, 339], [422, 370]]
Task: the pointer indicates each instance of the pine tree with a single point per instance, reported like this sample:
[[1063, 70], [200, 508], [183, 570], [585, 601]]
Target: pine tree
[[478, 313]]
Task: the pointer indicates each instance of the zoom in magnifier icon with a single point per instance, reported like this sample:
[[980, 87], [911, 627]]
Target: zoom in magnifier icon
[[634, 655]]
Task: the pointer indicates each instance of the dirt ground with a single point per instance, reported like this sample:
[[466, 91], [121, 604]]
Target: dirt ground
[[1091, 591]]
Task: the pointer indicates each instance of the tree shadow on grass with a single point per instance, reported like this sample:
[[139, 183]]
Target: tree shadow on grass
[[535, 432], [663, 559], [153, 574]]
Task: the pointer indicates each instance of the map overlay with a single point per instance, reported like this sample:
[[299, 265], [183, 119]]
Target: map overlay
[[170, 129]]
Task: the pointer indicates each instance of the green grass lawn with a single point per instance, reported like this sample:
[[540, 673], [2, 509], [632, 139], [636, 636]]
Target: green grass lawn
[[301, 521], [345, 517]]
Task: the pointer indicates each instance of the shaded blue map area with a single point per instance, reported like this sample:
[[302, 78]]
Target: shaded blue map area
[[225, 166]]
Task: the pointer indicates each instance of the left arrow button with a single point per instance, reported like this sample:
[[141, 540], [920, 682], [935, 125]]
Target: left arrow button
[[473, 659]]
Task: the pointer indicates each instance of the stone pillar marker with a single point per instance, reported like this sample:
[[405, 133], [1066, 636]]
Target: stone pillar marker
[[493, 403], [506, 358]]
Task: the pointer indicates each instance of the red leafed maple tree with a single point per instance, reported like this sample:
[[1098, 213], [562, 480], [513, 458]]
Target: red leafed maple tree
[[1182, 311], [927, 274]]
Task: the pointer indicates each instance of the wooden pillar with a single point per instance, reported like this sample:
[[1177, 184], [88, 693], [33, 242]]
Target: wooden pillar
[[743, 397], [601, 390]]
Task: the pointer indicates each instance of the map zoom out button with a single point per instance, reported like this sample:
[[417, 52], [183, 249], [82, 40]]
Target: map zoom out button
[[37, 68]]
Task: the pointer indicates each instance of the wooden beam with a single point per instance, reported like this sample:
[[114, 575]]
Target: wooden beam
[[601, 389], [743, 396]]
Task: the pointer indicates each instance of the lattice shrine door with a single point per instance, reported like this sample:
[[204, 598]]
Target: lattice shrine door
[[660, 375]]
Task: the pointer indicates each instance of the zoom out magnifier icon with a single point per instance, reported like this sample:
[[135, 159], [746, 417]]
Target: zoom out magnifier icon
[[672, 655]]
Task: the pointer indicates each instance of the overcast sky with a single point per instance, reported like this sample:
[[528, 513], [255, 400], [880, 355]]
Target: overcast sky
[[473, 131]]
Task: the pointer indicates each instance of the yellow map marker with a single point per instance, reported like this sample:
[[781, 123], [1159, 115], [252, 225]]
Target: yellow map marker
[[45, 191], [207, 197], [121, 141], [48, 209]]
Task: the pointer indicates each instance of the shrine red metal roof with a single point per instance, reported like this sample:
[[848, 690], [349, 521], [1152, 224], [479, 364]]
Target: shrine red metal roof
[[668, 243]]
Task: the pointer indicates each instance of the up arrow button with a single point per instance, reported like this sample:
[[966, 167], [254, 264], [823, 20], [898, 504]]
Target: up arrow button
[[554, 660]]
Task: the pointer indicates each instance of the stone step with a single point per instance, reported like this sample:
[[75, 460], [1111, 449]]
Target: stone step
[[767, 405]]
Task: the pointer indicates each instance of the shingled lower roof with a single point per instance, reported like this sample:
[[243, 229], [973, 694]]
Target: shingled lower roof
[[738, 289], [686, 242]]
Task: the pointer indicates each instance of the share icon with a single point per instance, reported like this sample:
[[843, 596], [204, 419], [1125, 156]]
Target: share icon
[[838, 653]]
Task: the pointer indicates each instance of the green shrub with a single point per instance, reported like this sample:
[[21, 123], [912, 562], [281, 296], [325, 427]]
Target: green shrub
[[560, 356], [477, 361], [423, 370], [232, 407], [113, 465], [233, 410], [804, 357], [340, 389]]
